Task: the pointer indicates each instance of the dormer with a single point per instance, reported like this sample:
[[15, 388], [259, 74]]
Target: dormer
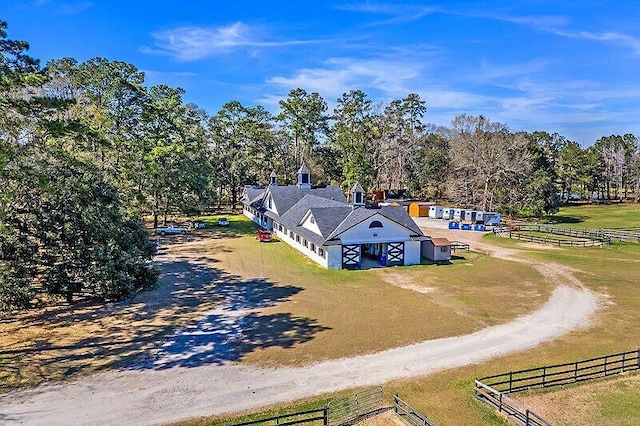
[[304, 177], [273, 179], [357, 196]]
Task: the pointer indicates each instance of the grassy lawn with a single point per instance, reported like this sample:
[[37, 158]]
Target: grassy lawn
[[371, 310], [611, 271], [339, 313], [356, 312], [615, 401], [598, 216]]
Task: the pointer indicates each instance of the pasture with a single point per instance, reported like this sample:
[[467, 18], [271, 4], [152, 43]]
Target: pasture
[[301, 314], [611, 272]]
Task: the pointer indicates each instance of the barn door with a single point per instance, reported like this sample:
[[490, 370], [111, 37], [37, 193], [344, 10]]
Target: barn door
[[351, 256], [395, 254]]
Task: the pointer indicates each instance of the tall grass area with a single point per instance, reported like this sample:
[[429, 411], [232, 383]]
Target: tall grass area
[[598, 216]]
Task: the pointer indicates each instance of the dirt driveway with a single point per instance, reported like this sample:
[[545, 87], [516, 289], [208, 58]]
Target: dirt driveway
[[175, 391]]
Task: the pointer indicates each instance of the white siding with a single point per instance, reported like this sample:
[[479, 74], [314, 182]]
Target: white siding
[[361, 233], [412, 253], [323, 261], [309, 223]]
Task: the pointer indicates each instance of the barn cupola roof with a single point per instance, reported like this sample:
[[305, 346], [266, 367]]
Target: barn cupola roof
[[304, 177], [357, 196], [273, 179]]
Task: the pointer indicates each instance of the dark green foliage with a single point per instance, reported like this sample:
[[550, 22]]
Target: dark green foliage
[[65, 233]]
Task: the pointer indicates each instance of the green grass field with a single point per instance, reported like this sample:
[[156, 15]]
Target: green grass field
[[598, 216]]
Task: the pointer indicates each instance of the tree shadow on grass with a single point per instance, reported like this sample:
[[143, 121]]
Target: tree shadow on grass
[[197, 315], [564, 219]]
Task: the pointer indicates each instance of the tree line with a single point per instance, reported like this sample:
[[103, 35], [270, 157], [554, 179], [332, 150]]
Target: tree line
[[87, 149]]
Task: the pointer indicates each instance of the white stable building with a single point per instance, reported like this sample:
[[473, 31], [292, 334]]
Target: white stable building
[[336, 233]]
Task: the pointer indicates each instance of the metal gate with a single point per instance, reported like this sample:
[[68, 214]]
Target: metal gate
[[351, 256], [395, 254], [343, 411]]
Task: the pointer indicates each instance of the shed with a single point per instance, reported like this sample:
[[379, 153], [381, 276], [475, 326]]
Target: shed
[[447, 213], [419, 209], [436, 249], [435, 212]]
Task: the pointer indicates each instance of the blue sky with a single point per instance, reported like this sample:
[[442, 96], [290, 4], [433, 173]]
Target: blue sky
[[570, 67]]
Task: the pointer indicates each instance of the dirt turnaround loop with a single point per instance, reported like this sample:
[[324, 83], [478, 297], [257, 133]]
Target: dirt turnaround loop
[[154, 396]]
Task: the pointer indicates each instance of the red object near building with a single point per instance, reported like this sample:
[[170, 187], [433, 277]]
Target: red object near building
[[263, 235]]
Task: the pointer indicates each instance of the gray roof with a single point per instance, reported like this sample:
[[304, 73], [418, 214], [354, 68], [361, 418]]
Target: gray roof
[[303, 169], [396, 214], [284, 197], [251, 193], [328, 218], [292, 218]]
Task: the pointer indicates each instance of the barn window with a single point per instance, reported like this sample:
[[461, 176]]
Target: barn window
[[297, 238], [305, 243], [443, 249], [313, 247], [358, 199], [375, 224], [269, 201], [321, 252]]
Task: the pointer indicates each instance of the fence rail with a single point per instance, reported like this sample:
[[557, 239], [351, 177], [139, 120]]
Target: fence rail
[[561, 374], [459, 245], [299, 417], [493, 390], [590, 238], [346, 410], [509, 406], [409, 415]]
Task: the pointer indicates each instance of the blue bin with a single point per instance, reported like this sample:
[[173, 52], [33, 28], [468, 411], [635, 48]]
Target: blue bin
[[466, 227], [454, 225], [479, 228], [383, 260]]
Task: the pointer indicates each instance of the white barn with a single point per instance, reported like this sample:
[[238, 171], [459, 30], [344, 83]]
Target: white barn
[[323, 225]]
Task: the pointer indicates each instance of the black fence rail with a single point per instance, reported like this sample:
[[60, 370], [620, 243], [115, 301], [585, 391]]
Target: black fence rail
[[582, 237], [493, 390], [409, 415], [562, 374], [318, 416], [508, 406]]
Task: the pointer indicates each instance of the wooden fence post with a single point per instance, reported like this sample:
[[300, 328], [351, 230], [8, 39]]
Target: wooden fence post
[[606, 359], [325, 416], [638, 358], [510, 380], [500, 405], [395, 403], [575, 372], [544, 376]]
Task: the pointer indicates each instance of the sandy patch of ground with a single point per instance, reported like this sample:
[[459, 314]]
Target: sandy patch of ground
[[388, 418], [405, 282]]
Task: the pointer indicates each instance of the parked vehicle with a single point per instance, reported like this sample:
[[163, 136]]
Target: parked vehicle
[[223, 221], [171, 230], [264, 235], [195, 224]]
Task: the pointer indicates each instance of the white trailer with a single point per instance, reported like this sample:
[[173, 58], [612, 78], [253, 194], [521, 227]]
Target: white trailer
[[492, 218], [436, 212], [458, 214], [447, 213]]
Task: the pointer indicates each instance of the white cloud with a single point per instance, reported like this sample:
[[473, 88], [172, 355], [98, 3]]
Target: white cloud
[[339, 75], [191, 43]]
